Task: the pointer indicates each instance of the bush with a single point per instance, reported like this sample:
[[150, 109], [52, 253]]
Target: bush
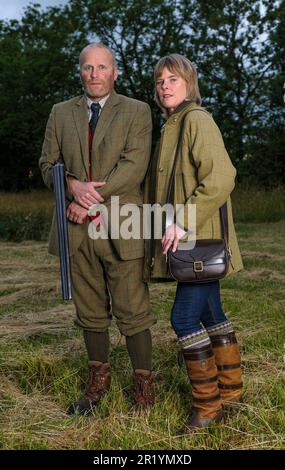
[[18, 227]]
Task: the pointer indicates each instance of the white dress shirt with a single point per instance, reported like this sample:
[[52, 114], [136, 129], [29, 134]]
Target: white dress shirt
[[90, 102]]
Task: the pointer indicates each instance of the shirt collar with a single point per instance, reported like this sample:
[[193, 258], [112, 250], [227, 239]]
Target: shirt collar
[[102, 102]]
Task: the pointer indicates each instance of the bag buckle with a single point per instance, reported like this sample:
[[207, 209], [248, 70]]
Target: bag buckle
[[198, 266]]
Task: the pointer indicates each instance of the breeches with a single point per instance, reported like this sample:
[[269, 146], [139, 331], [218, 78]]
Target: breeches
[[104, 285]]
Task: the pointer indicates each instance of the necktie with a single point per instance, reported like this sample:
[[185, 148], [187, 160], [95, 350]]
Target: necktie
[[95, 108]]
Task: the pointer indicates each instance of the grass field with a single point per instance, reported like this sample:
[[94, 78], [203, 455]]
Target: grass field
[[43, 360]]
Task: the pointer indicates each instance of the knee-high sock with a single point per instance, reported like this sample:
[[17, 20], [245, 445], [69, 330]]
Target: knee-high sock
[[97, 345], [223, 328], [139, 347]]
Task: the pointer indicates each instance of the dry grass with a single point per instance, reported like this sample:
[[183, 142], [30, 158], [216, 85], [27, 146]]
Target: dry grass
[[29, 202], [43, 361]]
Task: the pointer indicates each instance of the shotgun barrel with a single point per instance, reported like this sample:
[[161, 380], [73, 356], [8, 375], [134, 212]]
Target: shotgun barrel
[[60, 204]]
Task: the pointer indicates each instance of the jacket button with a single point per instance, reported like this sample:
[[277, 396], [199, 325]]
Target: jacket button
[[160, 169]]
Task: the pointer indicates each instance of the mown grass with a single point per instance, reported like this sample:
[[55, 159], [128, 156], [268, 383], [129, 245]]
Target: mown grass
[[43, 360], [27, 216]]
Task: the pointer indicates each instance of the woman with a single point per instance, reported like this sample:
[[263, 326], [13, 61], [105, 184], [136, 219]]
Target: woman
[[204, 175]]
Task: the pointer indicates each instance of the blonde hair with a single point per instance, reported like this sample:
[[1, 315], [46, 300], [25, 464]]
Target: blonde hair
[[181, 66]]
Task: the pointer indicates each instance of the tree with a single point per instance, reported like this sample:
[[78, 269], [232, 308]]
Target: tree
[[235, 68], [139, 32], [38, 67], [237, 45], [231, 42]]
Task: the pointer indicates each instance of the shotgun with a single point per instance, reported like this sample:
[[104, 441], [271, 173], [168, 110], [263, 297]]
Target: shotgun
[[58, 174]]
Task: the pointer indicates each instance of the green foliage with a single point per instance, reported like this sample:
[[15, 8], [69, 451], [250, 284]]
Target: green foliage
[[38, 67], [240, 71], [28, 226], [238, 47]]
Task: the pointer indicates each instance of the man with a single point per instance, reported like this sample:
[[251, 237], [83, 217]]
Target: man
[[104, 141]]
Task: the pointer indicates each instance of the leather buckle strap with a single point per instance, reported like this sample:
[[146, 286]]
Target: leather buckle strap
[[198, 266], [206, 400], [223, 340], [237, 386], [197, 355], [204, 381], [228, 366]]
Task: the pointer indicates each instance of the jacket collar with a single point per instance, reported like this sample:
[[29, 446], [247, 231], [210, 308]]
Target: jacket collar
[[181, 106], [182, 109]]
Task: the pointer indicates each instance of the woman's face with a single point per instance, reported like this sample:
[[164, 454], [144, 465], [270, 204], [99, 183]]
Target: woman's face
[[171, 89]]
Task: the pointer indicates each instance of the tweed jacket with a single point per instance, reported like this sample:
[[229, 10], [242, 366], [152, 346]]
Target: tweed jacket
[[120, 156], [204, 176]]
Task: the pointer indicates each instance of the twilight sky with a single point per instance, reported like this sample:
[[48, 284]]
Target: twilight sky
[[13, 9]]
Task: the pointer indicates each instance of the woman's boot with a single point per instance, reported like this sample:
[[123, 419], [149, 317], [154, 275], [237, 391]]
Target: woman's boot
[[227, 357], [202, 372]]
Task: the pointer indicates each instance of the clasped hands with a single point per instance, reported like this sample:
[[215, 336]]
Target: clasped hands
[[85, 195]]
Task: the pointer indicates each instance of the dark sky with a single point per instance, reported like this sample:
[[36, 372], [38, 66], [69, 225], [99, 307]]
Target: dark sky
[[13, 9]]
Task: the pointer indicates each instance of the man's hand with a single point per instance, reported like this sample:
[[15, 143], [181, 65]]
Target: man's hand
[[172, 235], [85, 193], [76, 213]]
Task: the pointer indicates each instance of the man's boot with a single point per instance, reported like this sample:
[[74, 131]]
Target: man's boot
[[227, 357], [202, 372], [143, 389], [99, 382]]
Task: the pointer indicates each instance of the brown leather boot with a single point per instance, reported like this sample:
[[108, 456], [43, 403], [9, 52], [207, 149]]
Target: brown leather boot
[[202, 372], [99, 382], [143, 390], [227, 357]]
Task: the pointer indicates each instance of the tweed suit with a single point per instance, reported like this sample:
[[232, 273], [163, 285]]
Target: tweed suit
[[119, 156]]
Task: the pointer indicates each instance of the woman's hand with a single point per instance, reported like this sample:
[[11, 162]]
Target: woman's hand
[[172, 235]]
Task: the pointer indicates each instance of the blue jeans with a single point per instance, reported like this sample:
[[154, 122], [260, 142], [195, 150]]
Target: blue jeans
[[195, 304]]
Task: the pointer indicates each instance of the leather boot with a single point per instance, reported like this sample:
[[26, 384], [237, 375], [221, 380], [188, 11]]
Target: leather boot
[[99, 382], [202, 372], [143, 390], [227, 357]]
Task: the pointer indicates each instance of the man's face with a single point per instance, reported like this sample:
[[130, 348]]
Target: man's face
[[97, 72]]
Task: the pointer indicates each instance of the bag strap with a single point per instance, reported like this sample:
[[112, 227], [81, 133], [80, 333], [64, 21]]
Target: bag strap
[[170, 193]]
